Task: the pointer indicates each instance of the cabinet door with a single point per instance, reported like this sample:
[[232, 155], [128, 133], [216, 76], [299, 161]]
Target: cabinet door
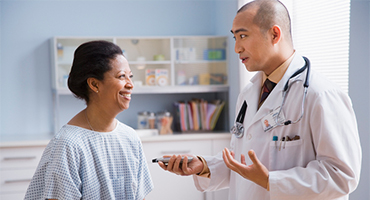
[[62, 58], [149, 59], [218, 146], [168, 185], [15, 180], [12, 196], [20, 158], [200, 60]]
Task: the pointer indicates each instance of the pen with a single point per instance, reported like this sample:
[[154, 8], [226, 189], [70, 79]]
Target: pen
[[275, 138], [284, 144], [282, 140]]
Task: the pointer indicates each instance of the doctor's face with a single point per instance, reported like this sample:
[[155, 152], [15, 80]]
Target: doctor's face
[[254, 47]]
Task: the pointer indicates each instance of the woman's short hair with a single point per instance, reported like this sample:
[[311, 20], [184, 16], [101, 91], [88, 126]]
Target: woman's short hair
[[91, 59]]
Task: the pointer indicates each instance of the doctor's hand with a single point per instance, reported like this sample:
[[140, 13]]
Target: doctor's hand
[[255, 172], [184, 169]]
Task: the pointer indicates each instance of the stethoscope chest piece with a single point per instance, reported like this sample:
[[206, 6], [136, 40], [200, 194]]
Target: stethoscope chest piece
[[238, 128]]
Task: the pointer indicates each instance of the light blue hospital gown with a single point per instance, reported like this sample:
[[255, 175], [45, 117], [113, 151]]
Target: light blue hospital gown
[[83, 164]]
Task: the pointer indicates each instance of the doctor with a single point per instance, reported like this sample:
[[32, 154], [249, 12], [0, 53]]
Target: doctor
[[317, 156]]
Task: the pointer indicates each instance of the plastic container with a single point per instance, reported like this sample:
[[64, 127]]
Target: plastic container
[[164, 123], [142, 120], [151, 120]]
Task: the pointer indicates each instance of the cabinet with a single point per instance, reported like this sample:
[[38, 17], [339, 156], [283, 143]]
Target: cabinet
[[18, 163], [17, 166], [186, 64], [170, 186], [160, 65]]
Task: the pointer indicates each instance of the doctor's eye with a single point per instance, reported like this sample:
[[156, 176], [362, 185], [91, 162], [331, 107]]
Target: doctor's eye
[[242, 36]]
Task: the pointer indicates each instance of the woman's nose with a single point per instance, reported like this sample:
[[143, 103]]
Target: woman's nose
[[129, 83]]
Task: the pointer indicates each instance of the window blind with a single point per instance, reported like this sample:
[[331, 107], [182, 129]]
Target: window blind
[[321, 32]]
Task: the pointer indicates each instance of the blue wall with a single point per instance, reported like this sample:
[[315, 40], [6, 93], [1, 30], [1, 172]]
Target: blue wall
[[359, 84], [26, 27]]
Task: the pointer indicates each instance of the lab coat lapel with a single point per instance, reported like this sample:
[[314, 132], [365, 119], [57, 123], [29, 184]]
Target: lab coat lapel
[[275, 98], [252, 98]]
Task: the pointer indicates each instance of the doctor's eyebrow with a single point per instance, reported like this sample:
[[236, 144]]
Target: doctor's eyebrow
[[238, 30]]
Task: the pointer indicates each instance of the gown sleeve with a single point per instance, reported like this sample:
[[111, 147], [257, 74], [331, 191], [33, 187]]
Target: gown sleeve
[[62, 179], [145, 184]]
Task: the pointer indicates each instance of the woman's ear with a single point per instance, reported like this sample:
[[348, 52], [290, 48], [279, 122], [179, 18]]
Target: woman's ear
[[93, 84], [276, 34]]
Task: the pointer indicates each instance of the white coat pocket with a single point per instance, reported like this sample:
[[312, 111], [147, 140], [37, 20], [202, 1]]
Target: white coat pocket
[[285, 154]]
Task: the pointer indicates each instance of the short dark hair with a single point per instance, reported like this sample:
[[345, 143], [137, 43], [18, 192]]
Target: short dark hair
[[91, 59], [269, 13]]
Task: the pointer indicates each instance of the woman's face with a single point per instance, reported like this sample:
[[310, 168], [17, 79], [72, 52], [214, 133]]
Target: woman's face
[[117, 85]]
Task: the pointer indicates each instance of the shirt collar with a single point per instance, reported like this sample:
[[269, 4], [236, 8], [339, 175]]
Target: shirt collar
[[279, 72]]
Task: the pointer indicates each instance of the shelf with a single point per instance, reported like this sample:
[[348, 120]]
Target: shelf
[[198, 61], [180, 89], [164, 62], [166, 89]]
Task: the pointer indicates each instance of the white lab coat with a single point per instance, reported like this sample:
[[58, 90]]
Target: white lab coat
[[324, 163]]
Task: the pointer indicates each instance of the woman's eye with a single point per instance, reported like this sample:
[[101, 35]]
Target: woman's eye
[[123, 76]]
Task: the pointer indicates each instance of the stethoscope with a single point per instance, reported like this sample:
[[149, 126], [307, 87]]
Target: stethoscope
[[238, 128]]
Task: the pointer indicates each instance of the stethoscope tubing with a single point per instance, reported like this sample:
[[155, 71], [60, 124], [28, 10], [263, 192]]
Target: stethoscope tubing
[[286, 89], [238, 128]]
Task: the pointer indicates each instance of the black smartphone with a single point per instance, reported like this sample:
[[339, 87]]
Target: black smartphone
[[165, 160]]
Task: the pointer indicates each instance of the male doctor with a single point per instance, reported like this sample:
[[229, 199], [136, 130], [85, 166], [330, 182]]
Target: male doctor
[[317, 155]]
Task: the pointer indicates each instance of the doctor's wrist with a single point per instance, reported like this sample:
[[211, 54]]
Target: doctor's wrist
[[205, 171]]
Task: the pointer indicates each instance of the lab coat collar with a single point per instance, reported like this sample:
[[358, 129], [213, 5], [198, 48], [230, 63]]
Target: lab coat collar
[[275, 98]]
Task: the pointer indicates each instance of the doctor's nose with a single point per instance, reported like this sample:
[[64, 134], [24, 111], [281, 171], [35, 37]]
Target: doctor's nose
[[238, 48]]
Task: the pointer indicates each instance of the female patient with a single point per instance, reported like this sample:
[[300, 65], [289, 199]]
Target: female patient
[[94, 156]]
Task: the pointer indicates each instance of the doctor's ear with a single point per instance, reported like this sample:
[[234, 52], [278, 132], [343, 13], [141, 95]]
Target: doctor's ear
[[276, 34], [93, 84]]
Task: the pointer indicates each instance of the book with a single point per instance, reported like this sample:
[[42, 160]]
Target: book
[[198, 114]]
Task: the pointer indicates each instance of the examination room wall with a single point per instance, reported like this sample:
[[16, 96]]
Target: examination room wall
[[26, 27], [359, 86]]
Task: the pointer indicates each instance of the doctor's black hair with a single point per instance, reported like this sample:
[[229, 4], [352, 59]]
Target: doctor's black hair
[[91, 59]]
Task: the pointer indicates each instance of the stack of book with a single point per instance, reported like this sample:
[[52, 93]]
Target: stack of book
[[198, 114]]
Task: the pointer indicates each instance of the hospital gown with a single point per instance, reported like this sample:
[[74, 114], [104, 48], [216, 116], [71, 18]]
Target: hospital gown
[[84, 164]]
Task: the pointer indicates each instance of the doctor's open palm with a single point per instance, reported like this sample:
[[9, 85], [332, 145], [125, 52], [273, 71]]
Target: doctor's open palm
[[255, 172]]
